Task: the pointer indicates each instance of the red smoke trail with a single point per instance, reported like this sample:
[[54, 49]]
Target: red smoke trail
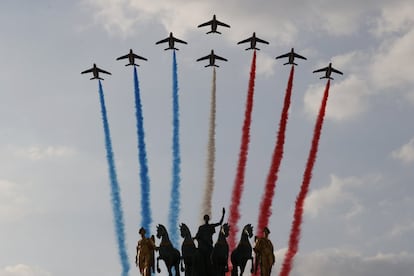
[[244, 147], [300, 200], [266, 204]]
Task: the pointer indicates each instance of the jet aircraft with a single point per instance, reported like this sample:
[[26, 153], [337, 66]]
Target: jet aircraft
[[291, 55], [131, 57], [214, 23], [95, 71], [171, 40], [328, 71], [212, 59], [253, 40]]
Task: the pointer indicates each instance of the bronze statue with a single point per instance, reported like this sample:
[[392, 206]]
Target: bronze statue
[[167, 253], [204, 238], [188, 250], [144, 258], [220, 254], [264, 254], [243, 252]]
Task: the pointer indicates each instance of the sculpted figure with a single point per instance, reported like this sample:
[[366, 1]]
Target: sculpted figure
[[264, 253], [144, 259], [204, 238]]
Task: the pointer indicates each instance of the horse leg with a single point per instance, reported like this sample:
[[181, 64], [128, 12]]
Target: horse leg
[[158, 265], [252, 269], [234, 270], [177, 269]]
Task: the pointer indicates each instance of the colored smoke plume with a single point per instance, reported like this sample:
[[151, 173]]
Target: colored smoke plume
[[300, 200], [142, 155], [175, 187], [241, 168], [211, 151], [266, 204], [115, 191]]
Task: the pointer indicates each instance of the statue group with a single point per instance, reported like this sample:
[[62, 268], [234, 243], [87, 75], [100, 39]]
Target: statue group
[[200, 257]]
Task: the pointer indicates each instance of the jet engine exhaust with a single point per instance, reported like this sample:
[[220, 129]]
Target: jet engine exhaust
[[300, 200], [115, 191], [266, 204]]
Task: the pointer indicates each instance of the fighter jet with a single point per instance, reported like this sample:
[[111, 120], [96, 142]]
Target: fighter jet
[[212, 59], [253, 40], [291, 55], [95, 71], [214, 23], [131, 57], [171, 40], [328, 71]]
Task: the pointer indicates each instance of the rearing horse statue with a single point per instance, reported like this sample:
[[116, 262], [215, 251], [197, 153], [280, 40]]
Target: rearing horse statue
[[188, 250], [243, 252], [220, 254], [167, 253]]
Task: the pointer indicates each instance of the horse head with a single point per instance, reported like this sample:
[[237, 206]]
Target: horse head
[[161, 231], [225, 229], [184, 231], [248, 230]]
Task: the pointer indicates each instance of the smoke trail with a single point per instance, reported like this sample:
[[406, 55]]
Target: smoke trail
[[244, 147], [300, 200], [115, 192], [211, 150], [175, 189], [145, 181], [266, 204]]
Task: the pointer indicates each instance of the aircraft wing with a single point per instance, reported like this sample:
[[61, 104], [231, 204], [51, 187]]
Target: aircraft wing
[[103, 71], [123, 57], [298, 56], [203, 58], [261, 41], [321, 70], [163, 40], [139, 57], [222, 24], [220, 58], [283, 56], [244, 41], [205, 24], [179, 40], [87, 71], [336, 71]]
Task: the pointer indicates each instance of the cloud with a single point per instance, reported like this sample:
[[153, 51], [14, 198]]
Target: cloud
[[39, 153], [339, 196], [341, 262], [283, 22], [403, 228], [390, 67], [347, 99], [405, 153], [23, 270], [395, 16], [14, 203]]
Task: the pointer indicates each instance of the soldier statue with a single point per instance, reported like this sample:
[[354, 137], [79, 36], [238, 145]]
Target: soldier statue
[[264, 253], [144, 259]]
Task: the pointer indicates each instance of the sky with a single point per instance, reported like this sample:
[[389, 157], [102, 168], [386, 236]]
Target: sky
[[55, 209]]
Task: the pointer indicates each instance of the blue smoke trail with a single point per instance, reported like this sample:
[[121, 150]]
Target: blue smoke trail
[[175, 189], [115, 193], [145, 181]]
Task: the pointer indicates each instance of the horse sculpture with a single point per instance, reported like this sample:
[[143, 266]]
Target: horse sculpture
[[188, 250], [220, 254], [167, 253], [243, 252]]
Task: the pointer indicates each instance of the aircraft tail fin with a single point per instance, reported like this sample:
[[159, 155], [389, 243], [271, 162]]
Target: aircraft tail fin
[[210, 32]]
